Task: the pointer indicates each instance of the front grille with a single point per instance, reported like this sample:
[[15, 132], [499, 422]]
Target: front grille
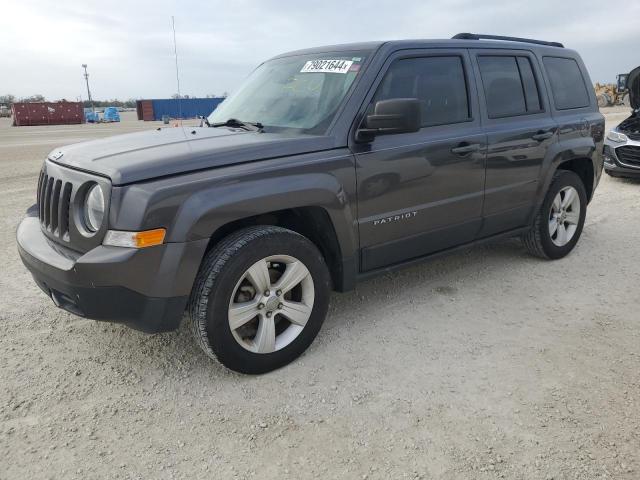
[[54, 198], [633, 135], [629, 155]]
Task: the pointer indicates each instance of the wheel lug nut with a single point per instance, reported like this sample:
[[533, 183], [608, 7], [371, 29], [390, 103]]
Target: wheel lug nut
[[280, 306], [267, 293], [260, 306], [279, 293], [269, 314]]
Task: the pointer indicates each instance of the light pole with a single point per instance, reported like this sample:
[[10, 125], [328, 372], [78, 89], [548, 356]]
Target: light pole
[[86, 77]]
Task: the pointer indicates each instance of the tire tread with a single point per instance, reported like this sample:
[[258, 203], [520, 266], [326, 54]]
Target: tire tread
[[532, 239], [211, 267]]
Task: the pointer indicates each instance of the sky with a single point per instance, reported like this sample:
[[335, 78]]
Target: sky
[[128, 45]]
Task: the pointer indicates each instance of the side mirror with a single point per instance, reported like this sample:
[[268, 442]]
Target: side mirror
[[397, 115]]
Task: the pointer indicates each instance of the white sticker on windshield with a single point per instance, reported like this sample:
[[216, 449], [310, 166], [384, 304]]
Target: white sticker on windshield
[[327, 66]]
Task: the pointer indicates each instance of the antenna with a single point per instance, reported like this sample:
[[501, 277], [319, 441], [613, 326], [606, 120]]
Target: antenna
[[86, 77], [175, 52]]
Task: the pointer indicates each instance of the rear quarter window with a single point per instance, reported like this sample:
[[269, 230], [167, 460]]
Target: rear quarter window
[[567, 83]]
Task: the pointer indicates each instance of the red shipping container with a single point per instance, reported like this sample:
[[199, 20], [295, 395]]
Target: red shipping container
[[47, 113], [144, 108]]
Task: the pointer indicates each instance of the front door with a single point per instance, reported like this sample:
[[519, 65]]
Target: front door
[[422, 192]]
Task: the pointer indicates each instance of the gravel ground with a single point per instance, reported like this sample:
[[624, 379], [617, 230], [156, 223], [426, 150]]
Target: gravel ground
[[484, 364]]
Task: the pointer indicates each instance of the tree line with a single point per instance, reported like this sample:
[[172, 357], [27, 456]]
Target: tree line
[[9, 100]]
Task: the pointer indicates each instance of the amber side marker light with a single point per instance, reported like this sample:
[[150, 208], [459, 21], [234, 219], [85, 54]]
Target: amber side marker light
[[148, 238]]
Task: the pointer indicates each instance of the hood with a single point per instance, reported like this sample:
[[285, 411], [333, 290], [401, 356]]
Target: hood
[[167, 151], [633, 84]]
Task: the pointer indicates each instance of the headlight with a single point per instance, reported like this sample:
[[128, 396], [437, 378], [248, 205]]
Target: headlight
[[94, 209], [617, 137]]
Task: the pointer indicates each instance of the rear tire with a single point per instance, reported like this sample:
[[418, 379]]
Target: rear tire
[[558, 225], [259, 299], [603, 101]]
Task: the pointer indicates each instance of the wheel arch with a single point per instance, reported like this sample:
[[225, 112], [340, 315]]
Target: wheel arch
[[583, 167], [317, 204], [313, 222], [577, 155]]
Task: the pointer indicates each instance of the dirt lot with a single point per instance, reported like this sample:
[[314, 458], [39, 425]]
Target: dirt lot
[[484, 364]]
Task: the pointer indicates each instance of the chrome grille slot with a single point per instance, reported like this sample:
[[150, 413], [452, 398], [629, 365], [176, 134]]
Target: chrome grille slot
[[43, 185], [38, 193], [47, 202], [43, 188], [54, 202], [63, 212]]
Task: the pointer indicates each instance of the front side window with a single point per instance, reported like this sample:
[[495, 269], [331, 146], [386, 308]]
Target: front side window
[[300, 93], [509, 84], [567, 83], [438, 82]]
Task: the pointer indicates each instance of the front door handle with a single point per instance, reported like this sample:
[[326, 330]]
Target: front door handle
[[542, 136], [465, 148]]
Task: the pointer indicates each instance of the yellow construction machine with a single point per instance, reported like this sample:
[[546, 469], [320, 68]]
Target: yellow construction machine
[[609, 94]]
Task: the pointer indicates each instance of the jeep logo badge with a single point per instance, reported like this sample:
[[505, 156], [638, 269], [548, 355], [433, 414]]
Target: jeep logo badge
[[56, 155]]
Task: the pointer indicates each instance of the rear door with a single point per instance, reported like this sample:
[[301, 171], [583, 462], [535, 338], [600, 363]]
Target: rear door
[[422, 192], [520, 129]]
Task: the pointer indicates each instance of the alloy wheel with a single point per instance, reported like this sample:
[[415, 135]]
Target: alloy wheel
[[271, 304], [564, 216]]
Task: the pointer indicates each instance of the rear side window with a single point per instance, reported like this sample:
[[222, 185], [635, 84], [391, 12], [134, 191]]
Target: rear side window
[[510, 86], [567, 83], [438, 82]]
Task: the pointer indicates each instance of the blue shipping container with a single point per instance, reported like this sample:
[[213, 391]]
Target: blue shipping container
[[184, 107]]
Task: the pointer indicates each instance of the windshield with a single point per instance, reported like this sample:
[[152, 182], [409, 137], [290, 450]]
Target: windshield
[[301, 93]]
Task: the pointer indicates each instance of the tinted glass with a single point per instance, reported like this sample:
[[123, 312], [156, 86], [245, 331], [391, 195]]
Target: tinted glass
[[438, 82], [300, 93], [567, 84], [529, 84], [502, 86]]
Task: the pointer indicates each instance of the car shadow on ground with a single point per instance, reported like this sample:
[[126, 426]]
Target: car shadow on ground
[[627, 180], [430, 280]]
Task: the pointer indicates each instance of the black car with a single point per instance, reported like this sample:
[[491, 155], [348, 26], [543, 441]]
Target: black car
[[325, 167], [622, 145]]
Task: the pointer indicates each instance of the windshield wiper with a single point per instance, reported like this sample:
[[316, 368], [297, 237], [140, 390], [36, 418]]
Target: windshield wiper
[[234, 122]]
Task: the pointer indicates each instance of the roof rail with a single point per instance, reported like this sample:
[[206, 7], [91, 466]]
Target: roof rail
[[482, 36]]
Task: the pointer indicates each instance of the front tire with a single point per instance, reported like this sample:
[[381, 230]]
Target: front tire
[[558, 225], [259, 299]]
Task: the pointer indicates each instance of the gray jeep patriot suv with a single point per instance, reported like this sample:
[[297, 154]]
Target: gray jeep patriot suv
[[325, 167]]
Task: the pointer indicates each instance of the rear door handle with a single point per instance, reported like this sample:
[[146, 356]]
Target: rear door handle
[[465, 148], [542, 136]]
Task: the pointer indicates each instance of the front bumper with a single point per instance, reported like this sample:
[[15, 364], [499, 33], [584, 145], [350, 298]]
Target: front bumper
[[146, 289], [616, 166]]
